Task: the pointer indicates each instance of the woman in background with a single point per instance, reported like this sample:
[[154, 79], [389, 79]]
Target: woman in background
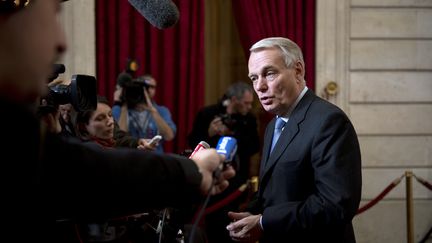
[[98, 126]]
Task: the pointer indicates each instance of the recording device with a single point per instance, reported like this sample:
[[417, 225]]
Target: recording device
[[228, 147], [228, 120], [161, 14], [81, 93], [156, 139], [133, 90], [201, 145], [57, 69]]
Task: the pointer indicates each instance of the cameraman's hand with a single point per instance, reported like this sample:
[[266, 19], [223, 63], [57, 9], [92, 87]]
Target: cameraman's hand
[[149, 104], [217, 127], [208, 160], [118, 93]]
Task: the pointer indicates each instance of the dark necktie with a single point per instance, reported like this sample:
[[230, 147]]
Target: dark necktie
[[277, 131]]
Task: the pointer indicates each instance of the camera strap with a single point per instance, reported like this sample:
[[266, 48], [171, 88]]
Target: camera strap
[[140, 120]]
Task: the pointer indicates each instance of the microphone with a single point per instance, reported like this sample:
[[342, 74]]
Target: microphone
[[161, 14], [201, 145], [228, 147]]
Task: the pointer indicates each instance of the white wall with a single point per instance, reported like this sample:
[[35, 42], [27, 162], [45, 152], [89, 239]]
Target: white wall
[[78, 17], [380, 55]]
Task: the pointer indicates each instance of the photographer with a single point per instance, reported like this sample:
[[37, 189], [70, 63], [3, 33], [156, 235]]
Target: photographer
[[138, 114], [45, 178], [230, 117]]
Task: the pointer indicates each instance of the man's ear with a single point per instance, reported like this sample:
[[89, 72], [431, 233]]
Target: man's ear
[[299, 70]]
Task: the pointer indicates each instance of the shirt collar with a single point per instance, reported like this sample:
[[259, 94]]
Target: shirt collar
[[292, 107]]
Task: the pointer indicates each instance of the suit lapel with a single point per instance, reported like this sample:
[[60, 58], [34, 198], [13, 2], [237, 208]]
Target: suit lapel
[[267, 143], [288, 134]]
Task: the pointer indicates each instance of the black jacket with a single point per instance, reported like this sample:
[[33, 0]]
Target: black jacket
[[310, 186], [45, 178]]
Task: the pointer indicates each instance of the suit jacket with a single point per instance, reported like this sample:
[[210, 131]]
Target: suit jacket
[[310, 186]]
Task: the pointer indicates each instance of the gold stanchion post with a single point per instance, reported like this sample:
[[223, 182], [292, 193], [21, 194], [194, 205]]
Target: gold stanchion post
[[409, 207]]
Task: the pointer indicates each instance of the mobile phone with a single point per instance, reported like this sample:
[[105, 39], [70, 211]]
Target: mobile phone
[[155, 140]]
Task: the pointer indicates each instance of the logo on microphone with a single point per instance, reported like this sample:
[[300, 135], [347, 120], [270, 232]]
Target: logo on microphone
[[228, 147]]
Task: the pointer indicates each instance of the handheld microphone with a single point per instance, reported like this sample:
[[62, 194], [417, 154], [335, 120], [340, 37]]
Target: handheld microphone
[[161, 14], [228, 147], [201, 145]]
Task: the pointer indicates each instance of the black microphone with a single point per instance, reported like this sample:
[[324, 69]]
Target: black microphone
[[161, 14]]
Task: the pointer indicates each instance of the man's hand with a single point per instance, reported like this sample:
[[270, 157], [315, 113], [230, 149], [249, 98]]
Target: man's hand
[[245, 228], [149, 104], [208, 161]]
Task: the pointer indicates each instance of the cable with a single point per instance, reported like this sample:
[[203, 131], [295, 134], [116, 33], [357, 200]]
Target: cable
[[202, 209], [162, 224]]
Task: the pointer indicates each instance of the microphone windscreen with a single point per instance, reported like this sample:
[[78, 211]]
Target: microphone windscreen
[[161, 14]]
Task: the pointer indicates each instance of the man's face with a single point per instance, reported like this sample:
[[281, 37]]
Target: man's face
[[276, 85], [244, 105], [31, 40]]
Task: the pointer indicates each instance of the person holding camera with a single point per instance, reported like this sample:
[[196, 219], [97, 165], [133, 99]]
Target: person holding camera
[[230, 117], [138, 114], [46, 179]]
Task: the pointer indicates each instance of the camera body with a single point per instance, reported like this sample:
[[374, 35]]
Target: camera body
[[229, 121], [81, 93], [133, 91]]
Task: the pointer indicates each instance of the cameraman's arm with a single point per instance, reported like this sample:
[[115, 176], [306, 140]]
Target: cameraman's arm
[[161, 122], [167, 131], [123, 121]]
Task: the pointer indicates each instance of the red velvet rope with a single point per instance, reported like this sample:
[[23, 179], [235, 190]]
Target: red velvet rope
[[221, 203], [424, 182], [226, 200], [380, 196]]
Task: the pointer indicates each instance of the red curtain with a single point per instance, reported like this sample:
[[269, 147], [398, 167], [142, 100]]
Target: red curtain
[[174, 56], [294, 19]]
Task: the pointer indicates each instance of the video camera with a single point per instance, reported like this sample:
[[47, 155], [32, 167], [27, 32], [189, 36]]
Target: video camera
[[133, 88], [229, 121], [81, 93], [133, 91]]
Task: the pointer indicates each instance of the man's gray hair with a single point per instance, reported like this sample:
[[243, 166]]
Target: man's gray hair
[[290, 50], [238, 89]]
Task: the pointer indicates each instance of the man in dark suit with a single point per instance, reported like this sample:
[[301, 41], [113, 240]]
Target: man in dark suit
[[310, 181]]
